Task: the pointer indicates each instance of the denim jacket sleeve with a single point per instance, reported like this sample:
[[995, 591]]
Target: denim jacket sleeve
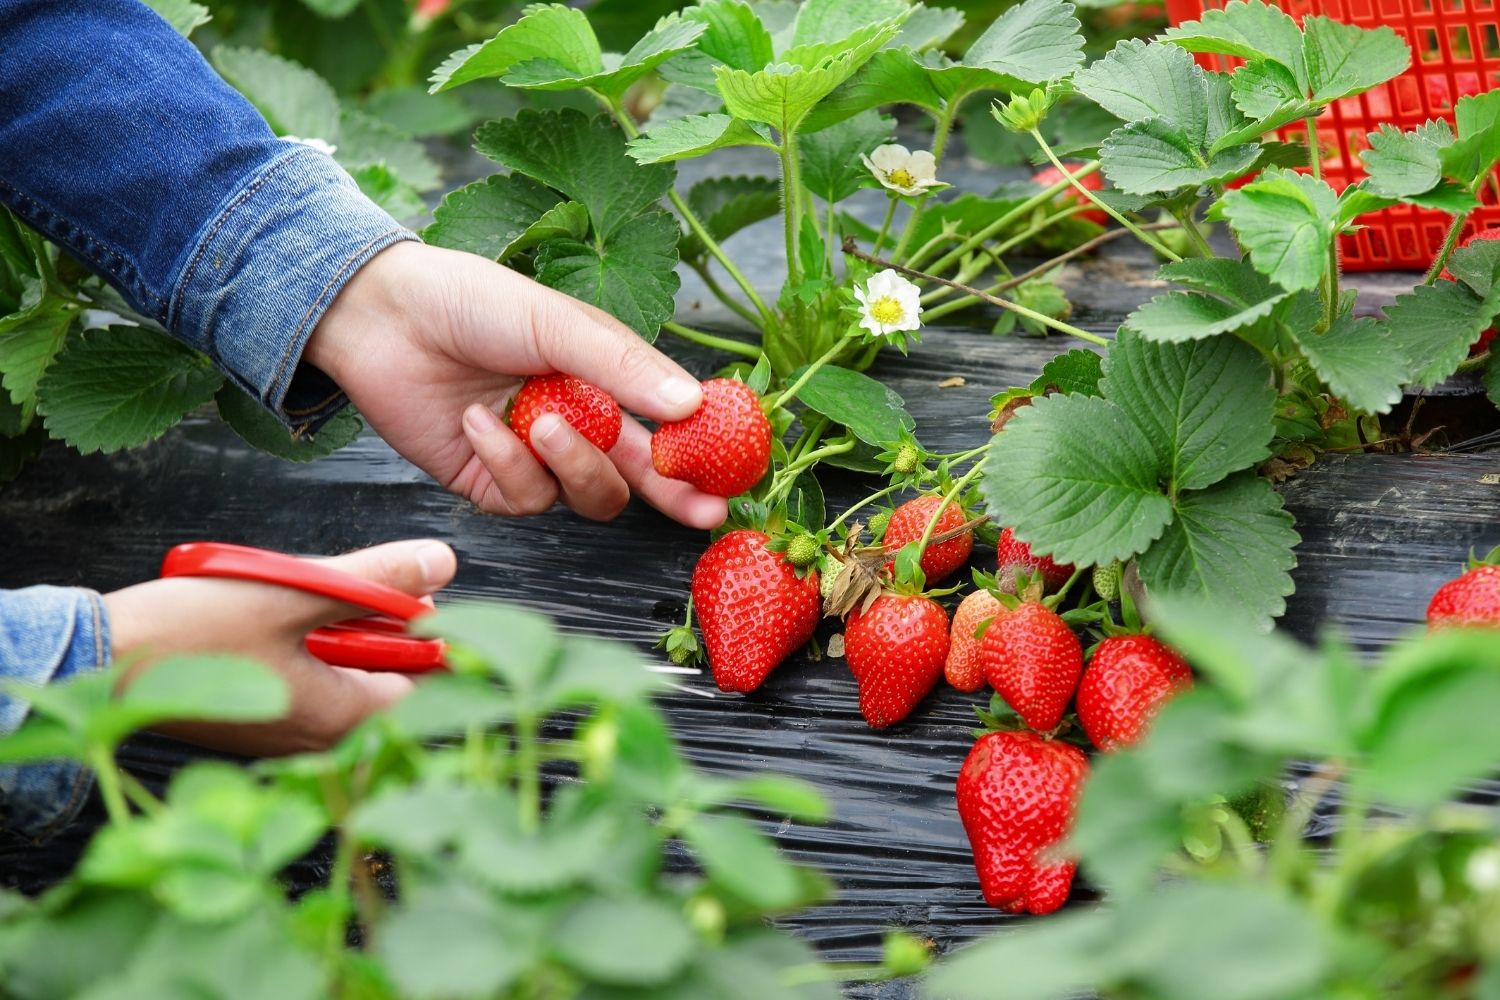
[[119, 142], [47, 634]]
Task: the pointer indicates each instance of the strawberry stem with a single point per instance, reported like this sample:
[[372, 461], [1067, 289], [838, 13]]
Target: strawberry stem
[[1073, 179], [948, 499], [791, 391], [877, 495]]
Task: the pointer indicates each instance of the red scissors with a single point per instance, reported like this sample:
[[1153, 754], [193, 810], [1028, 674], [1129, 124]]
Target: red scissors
[[377, 642]]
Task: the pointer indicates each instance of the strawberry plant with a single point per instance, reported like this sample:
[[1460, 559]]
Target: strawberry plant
[[1369, 882], [79, 365], [453, 875]]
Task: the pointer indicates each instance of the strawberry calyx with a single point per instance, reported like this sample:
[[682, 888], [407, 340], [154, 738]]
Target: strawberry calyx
[[1491, 558], [801, 548], [906, 461], [681, 642], [999, 717]]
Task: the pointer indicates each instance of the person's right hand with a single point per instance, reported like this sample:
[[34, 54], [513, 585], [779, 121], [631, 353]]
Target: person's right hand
[[431, 343], [267, 623]]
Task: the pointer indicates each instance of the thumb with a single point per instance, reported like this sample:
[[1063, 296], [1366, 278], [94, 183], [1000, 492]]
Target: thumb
[[577, 338], [416, 567]]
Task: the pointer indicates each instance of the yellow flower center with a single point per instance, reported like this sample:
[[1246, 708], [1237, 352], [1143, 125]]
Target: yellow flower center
[[901, 177], [886, 310]]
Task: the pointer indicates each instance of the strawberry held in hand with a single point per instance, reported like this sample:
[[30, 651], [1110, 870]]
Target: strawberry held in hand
[[1033, 660], [723, 448], [753, 608], [895, 651], [1127, 681], [964, 669], [1013, 557], [1472, 599], [909, 521], [588, 409], [1016, 795]]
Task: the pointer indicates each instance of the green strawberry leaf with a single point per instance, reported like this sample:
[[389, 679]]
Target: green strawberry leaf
[[1206, 405], [1401, 164], [1477, 148], [1285, 221], [1076, 373], [832, 21], [624, 942], [1477, 265], [733, 36], [294, 100], [183, 15], [118, 388], [502, 215], [1342, 59], [29, 341], [553, 32], [1252, 31], [1230, 545], [1226, 296], [1078, 479], [633, 276], [1491, 378], [739, 857], [1359, 361], [1033, 43], [892, 76], [672, 35], [1144, 157], [261, 430], [871, 411], [782, 94], [694, 135], [388, 191], [18, 448], [728, 204], [1432, 327], [365, 140], [831, 165], [584, 159], [1139, 80], [928, 27]]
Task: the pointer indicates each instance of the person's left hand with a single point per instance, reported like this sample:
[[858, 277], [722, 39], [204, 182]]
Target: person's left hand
[[430, 343]]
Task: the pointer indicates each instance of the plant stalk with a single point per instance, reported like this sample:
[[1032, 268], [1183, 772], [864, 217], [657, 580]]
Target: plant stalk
[[107, 775], [702, 339], [1014, 307], [1073, 179], [791, 391], [885, 227], [1449, 242]]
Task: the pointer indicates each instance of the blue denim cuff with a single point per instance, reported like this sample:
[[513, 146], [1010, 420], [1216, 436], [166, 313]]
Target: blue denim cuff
[[265, 268], [47, 634]]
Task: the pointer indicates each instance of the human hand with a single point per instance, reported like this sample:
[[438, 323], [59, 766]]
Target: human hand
[[183, 615], [430, 343]]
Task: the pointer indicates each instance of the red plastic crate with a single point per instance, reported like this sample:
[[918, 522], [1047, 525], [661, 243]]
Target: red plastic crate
[[1455, 46]]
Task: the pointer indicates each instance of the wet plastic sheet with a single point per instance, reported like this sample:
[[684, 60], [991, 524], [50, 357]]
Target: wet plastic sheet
[[1379, 535]]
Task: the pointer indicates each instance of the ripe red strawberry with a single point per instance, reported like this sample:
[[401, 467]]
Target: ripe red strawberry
[[752, 607], [723, 448], [588, 409], [909, 520], [1472, 599], [1016, 794], [1094, 182], [963, 668], [1013, 555], [1033, 660], [1128, 680], [895, 651]]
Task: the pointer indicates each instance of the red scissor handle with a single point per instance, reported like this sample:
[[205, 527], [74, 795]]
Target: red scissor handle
[[382, 651], [240, 562]]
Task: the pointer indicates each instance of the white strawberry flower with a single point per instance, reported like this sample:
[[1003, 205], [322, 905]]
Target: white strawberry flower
[[321, 145], [889, 304], [902, 171]]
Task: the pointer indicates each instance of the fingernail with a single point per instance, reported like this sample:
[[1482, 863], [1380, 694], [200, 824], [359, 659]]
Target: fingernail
[[481, 419], [432, 556], [680, 393], [551, 433]]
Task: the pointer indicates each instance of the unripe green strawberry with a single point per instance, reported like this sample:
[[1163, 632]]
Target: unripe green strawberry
[[588, 409], [802, 551], [1107, 580], [723, 448], [829, 568], [907, 458], [878, 522]]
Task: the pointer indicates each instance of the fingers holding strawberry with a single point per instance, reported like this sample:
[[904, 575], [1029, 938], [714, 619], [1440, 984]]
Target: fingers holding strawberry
[[723, 448]]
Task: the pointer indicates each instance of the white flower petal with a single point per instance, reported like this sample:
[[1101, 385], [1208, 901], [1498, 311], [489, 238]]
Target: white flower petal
[[888, 158]]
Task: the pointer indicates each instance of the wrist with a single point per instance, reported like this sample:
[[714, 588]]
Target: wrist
[[374, 301]]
